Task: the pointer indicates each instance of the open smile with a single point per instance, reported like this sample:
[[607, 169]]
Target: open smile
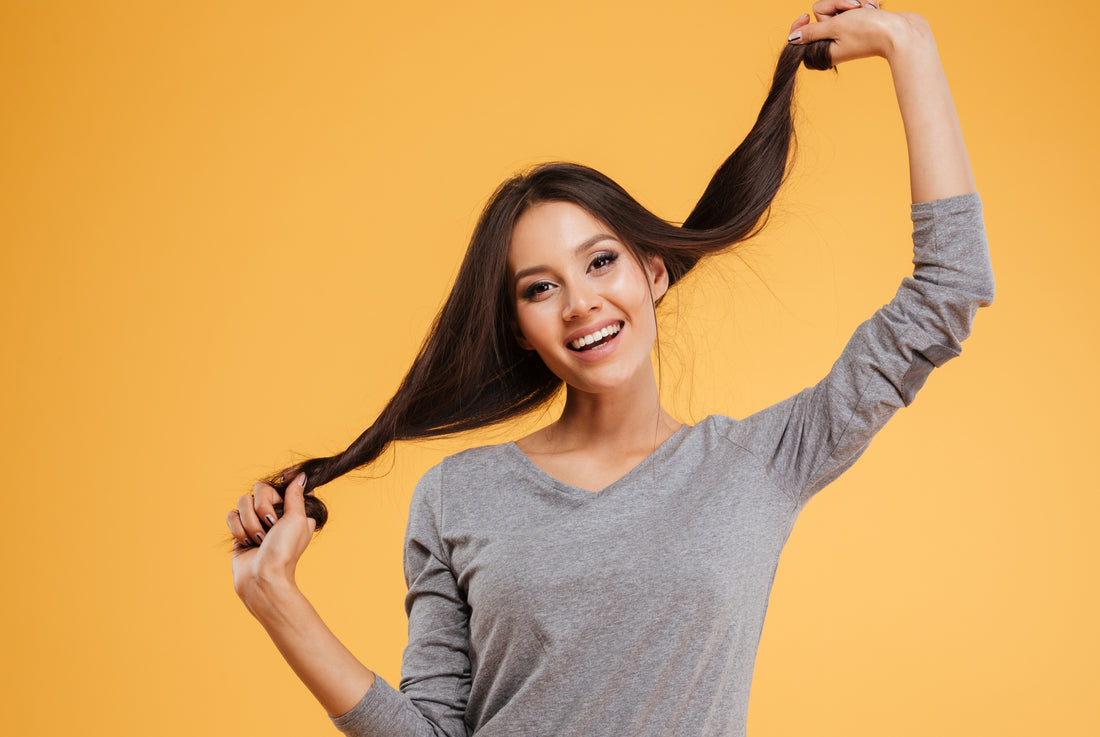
[[596, 338]]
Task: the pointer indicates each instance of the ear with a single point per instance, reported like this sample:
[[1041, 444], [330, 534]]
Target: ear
[[658, 276]]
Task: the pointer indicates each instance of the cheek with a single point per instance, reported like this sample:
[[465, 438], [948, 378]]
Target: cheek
[[532, 326], [632, 290], [636, 300]]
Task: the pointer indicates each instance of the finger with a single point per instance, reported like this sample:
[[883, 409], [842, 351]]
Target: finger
[[251, 523], [829, 8], [810, 32], [800, 21], [236, 529], [294, 503], [264, 497]]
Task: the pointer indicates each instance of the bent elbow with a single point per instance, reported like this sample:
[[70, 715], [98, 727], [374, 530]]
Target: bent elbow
[[986, 288]]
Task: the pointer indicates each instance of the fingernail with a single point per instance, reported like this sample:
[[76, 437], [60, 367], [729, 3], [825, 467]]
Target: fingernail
[[796, 36], [854, 3], [259, 537], [302, 480], [270, 519]]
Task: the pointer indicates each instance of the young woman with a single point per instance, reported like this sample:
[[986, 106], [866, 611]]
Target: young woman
[[609, 574]]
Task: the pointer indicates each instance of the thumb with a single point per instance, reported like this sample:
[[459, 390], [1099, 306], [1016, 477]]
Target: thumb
[[804, 32], [817, 44], [294, 503]]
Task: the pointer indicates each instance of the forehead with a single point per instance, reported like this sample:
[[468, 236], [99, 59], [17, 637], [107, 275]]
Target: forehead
[[551, 229]]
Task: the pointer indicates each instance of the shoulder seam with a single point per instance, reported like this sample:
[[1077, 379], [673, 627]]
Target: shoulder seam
[[789, 493], [444, 548]]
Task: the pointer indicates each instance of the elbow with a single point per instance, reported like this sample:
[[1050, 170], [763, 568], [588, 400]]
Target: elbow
[[982, 294], [974, 277], [987, 287]]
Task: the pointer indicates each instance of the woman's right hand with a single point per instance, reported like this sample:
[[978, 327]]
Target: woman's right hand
[[263, 575], [266, 560]]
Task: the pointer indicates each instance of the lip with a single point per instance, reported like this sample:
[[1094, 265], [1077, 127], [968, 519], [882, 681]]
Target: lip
[[604, 349], [591, 329]]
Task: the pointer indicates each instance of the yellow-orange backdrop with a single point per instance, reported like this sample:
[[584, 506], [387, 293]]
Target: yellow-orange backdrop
[[226, 226]]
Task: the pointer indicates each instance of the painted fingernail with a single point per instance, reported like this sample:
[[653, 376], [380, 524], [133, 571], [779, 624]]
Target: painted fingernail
[[259, 537], [854, 3], [796, 36], [270, 519], [302, 480]]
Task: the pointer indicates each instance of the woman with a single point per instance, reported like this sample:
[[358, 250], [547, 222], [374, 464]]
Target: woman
[[616, 535]]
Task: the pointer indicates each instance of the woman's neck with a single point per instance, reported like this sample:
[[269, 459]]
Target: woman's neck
[[628, 420]]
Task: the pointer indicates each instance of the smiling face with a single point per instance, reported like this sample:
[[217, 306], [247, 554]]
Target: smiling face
[[583, 302]]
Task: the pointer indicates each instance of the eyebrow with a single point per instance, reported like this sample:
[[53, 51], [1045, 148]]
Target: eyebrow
[[588, 243]]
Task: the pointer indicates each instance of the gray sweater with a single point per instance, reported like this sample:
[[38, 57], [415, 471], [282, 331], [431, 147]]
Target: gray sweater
[[537, 608]]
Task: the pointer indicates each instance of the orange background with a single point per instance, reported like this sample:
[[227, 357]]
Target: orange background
[[225, 228]]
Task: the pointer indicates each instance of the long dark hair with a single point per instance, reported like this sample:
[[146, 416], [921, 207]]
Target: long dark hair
[[471, 372]]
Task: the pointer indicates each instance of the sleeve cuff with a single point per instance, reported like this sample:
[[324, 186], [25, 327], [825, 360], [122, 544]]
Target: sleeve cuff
[[950, 246], [376, 712], [959, 204]]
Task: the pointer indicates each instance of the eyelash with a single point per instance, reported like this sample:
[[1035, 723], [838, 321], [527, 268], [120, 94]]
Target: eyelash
[[608, 257]]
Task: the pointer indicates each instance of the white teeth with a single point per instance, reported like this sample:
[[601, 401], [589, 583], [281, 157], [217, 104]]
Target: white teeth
[[594, 336]]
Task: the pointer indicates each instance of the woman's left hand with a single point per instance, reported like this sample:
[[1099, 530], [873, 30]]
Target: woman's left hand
[[857, 29], [938, 164]]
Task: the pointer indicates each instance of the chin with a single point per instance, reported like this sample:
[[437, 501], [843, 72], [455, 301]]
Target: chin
[[597, 381]]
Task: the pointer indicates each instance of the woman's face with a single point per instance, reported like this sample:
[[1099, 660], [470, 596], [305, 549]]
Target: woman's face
[[583, 302]]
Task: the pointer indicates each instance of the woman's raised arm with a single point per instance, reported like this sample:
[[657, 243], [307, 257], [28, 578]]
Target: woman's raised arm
[[808, 440], [938, 163]]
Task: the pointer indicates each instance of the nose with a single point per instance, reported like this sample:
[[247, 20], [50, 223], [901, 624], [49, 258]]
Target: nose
[[581, 300]]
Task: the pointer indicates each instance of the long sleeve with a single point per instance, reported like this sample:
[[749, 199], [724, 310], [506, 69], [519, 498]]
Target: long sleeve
[[814, 436], [435, 670], [520, 599]]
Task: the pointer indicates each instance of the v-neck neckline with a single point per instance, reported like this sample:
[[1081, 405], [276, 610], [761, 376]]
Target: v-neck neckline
[[664, 449]]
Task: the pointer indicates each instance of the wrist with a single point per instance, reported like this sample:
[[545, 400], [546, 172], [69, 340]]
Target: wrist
[[909, 40], [269, 598]]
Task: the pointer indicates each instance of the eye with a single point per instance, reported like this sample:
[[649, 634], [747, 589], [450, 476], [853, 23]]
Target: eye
[[537, 289], [603, 260]]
